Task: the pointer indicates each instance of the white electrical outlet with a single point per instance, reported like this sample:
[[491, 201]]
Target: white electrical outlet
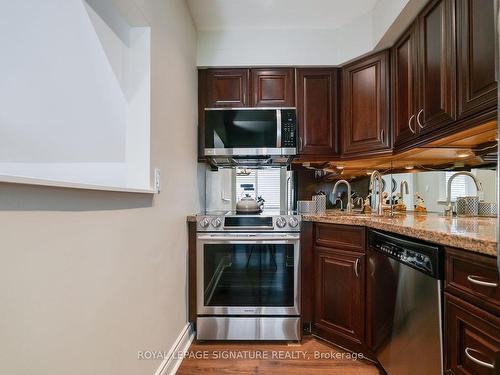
[[157, 180]]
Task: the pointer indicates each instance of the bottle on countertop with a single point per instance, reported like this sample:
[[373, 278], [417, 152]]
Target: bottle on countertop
[[420, 205]]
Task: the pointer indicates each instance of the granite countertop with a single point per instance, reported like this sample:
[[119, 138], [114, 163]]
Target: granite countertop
[[477, 234]]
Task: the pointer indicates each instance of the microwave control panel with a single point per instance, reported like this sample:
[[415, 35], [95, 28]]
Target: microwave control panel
[[288, 128]]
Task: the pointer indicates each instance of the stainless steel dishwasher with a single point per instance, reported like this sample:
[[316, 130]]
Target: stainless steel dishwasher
[[404, 298]]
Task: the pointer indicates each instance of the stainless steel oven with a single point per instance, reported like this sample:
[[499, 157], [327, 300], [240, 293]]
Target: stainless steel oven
[[248, 279]]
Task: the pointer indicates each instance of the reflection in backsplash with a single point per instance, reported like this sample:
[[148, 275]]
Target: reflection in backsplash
[[430, 185], [226, 186]]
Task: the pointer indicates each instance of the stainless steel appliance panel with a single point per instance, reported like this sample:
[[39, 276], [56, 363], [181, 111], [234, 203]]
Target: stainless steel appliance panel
[[405, 287], [250, 136], [235, 264], [248, 328], [407, 318]]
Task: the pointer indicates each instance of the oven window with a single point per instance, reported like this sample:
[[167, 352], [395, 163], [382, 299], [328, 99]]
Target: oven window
[[248, 274], [240, 129]]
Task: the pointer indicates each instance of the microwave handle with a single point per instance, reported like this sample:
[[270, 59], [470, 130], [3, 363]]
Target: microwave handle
[[278, 128]]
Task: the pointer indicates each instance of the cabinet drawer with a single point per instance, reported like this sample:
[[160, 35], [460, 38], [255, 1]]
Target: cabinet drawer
[[474, 278], [344, 237], [472, 339]]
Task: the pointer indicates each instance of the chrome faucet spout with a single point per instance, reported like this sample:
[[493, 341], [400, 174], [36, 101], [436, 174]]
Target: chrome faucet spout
[[479, 186], [377, 175], [340, 182]]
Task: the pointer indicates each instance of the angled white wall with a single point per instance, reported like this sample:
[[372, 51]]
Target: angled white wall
[[88, 278], [73, 94]]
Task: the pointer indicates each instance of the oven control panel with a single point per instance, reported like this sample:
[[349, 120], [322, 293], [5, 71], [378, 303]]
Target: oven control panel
[[253, 223]]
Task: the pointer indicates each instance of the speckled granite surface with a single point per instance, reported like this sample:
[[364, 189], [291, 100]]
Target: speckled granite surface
[[474, 234]]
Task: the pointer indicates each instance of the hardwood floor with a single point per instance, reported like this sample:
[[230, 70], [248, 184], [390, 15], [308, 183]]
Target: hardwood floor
[[275, 358]]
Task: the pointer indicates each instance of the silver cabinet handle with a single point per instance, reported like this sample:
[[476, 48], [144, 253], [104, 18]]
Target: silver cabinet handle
[[356, 268], [418, 118], [409, 123], [473, 279], [300, 143], [382, 134], [477, 361]]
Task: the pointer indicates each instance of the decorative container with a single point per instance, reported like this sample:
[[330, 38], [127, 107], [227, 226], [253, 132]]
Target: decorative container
[[306, 207]]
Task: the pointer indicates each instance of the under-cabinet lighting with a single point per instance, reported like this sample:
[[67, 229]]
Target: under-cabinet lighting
[[463, 154]]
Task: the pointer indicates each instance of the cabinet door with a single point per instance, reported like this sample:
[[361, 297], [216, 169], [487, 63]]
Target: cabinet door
[[273, 87], [365, 106], [317, 111], [227, 87], [437, 99], [404, 69], [339, 295], [477, 86], [472, 339]]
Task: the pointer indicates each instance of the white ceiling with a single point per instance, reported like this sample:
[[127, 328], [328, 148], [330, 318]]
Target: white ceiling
[[276, 14]]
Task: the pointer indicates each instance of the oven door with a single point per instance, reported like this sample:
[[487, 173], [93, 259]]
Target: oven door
[[249, 132], [248, 274]]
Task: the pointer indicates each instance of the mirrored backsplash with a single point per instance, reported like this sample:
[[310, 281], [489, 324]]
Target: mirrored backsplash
[[431, 186]]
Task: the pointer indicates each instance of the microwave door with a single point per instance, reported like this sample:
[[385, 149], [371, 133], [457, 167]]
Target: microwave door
[[233, 132]]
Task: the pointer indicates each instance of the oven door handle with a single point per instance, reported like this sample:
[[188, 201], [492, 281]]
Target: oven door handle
[[281, 237]]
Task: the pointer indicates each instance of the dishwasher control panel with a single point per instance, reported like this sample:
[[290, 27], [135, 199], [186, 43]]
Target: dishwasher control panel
[[420, 255], [410, 257]]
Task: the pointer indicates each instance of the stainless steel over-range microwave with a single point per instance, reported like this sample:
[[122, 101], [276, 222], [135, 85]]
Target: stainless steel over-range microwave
[[250, 132]]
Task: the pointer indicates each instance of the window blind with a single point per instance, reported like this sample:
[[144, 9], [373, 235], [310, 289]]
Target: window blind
[[266, 184]]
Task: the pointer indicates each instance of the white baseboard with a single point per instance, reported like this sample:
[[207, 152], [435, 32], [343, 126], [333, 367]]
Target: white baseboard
[[172, 362]]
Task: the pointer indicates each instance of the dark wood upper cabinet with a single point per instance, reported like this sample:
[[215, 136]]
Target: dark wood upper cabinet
[[339, 290], [404, 87], [365, 125], [477, 86], [317, 111], [273, 87], [437, 65], [227, 87]]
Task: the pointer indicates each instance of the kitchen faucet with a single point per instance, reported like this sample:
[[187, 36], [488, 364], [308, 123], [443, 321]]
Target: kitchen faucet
[[376, 174], [349, 204], [448, 211]]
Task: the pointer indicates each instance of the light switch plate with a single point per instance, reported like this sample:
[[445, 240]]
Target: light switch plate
[[157, 180]]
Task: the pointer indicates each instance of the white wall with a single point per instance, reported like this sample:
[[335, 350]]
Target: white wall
[[89, 278], [74, 90], [303, 46]]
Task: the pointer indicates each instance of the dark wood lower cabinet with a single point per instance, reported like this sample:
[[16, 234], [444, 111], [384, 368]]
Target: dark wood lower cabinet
[[339, 296], [472, 339], [340, 302]]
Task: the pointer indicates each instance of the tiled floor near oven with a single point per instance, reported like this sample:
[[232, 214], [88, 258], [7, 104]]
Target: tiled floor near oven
[[296, 359]]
